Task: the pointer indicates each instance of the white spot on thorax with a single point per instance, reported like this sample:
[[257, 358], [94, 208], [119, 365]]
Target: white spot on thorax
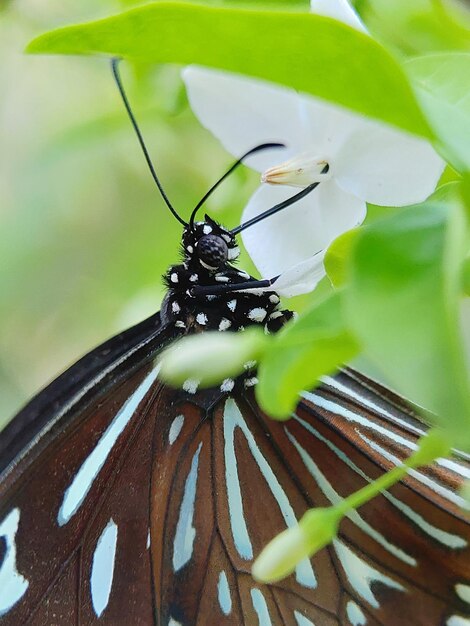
[[249, 365], [361, 575], [227, 385], [86, 475], [221, 278], [355, 614], [185, 531], [463, 591], [224, 324], [233, 419], [232, 305], [194, 278], [251, 382], [273, 298], [174, 277], [190, 249], [175, 307], [102, 568], [223, 593], [201, 318], [227, 238], [180, 324], [207, 229], [261, 608], [175, 429], [191, 384], [257, 314], [13, 585], [275, 315], [233, 253]]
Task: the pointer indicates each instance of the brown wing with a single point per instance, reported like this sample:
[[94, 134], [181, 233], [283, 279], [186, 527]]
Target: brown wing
[[226, 479], [74, 514]]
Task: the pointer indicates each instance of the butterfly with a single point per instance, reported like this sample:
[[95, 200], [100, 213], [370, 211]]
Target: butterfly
[[124, 501]]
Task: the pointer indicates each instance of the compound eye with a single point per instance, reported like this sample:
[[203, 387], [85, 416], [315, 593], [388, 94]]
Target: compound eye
[[212, 250]]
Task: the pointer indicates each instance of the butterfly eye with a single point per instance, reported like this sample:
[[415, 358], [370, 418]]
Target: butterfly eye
[[212, 250]]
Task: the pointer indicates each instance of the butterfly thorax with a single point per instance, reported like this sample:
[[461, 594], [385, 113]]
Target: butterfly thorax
[[209, 252]]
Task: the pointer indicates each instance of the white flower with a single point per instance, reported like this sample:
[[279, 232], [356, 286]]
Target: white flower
[[368, 161]]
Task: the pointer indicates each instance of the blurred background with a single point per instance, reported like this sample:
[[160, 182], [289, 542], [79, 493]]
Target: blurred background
[[84, 236]]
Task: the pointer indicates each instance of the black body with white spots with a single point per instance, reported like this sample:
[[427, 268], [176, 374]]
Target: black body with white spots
[[208, 250]]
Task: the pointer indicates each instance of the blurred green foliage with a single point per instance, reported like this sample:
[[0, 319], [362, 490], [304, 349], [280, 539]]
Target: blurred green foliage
[[85, 236]]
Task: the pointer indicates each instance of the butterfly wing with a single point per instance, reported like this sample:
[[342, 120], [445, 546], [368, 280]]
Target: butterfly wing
[[77, 491], [128, 502], [234, 479]]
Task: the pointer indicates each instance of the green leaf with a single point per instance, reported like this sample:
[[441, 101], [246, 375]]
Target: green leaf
[[311, 53], [443, 88], [403, 303], [337, 258], [418, 26], [466, 276], [210, 357], [315, 345]]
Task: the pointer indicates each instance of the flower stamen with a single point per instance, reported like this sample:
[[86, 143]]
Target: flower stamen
[[300, 171]]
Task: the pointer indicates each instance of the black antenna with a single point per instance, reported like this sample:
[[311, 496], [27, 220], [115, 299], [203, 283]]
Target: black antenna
[[278, 207], [263, 146], [117, 78]]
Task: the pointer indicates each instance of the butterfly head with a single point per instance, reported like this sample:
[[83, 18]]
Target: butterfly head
[[209, 244]]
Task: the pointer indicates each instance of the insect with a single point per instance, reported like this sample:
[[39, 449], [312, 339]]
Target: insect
[[124, 501]]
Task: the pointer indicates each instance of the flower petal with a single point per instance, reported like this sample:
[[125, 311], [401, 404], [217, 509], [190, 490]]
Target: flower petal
[[299, 233], [243, 112], [302, 278], [385, 166], [340, 10], [327, 127]]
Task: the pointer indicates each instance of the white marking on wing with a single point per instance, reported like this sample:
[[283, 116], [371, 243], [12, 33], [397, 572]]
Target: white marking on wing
[[356, 418], [354, 516], [332, 382], [454, 542], [351, 416], [185, 531], [425, 480], [147, 545], [355, 614], [102, 568], [463, 591], [361, 575], [175, 429], [302, 620], [80, 486], [173, 622], [13, 585], [223, 592], [234, 495], [233, 419], [447, 539], [457, 620], [261, 608], [79, 395], [454, 467]]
